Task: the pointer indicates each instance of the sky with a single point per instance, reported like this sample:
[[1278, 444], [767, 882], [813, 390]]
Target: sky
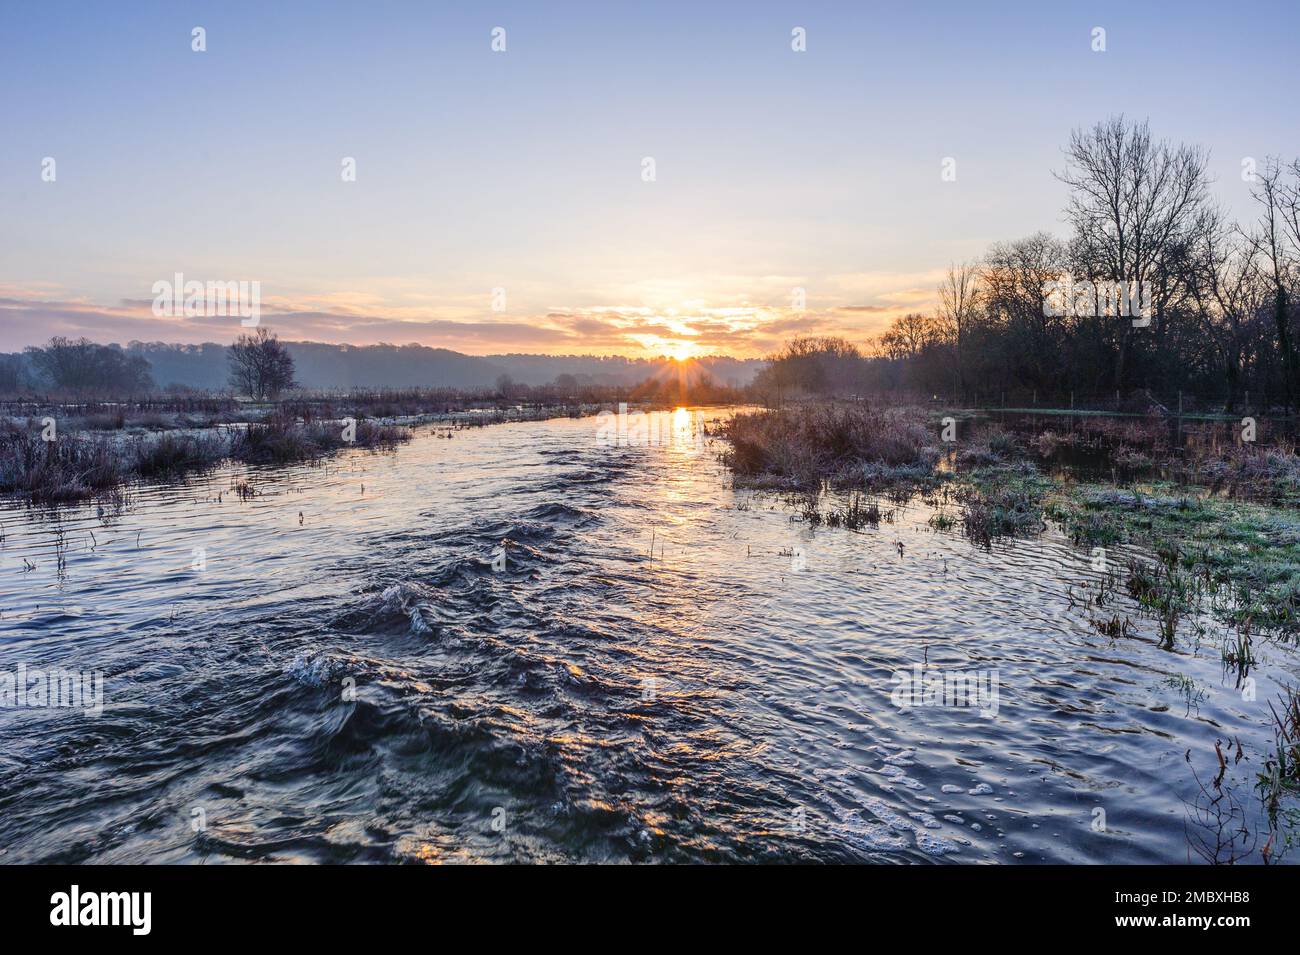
[[524, 170]]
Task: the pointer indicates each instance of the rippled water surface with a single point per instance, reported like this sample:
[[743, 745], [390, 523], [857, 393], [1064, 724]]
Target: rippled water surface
[[666, 669]]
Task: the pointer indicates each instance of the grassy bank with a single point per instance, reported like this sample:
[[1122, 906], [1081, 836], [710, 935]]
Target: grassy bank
[[456, 407], [88, 465], [1221, 518], [848, 445], [151, 416]]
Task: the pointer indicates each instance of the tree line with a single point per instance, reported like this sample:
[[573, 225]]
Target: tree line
[[1221, 295], [259, 365]]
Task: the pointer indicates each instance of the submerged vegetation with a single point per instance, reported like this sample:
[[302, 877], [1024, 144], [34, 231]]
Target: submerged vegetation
[[1219, 516], [1195, 523], [284, 442]]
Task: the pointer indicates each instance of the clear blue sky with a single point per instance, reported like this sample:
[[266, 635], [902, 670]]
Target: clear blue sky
[[523, 169]]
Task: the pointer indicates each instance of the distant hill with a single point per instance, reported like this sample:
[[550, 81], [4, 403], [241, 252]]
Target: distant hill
[[321, 366]]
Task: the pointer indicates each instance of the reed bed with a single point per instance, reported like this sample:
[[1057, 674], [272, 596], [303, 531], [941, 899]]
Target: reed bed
[[80, 466]]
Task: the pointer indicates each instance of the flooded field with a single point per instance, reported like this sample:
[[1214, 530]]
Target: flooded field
[[524, 644]]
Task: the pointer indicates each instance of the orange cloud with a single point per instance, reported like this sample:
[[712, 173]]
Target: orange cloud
[[857, 306]]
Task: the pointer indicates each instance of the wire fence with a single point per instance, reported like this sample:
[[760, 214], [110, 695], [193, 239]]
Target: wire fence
[[1143, 403]]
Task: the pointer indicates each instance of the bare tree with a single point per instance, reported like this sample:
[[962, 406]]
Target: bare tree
[[260, 366], [1279, 224], [1013, 280], [911, 335], [1134, 203], [816, 365], [65, 363], [959, 295], [1229, 290], [80, 366]]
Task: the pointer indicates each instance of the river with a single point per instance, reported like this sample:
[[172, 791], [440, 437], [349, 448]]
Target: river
[[346, 664]]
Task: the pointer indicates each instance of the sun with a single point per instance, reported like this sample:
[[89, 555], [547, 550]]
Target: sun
[[681, 351]]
